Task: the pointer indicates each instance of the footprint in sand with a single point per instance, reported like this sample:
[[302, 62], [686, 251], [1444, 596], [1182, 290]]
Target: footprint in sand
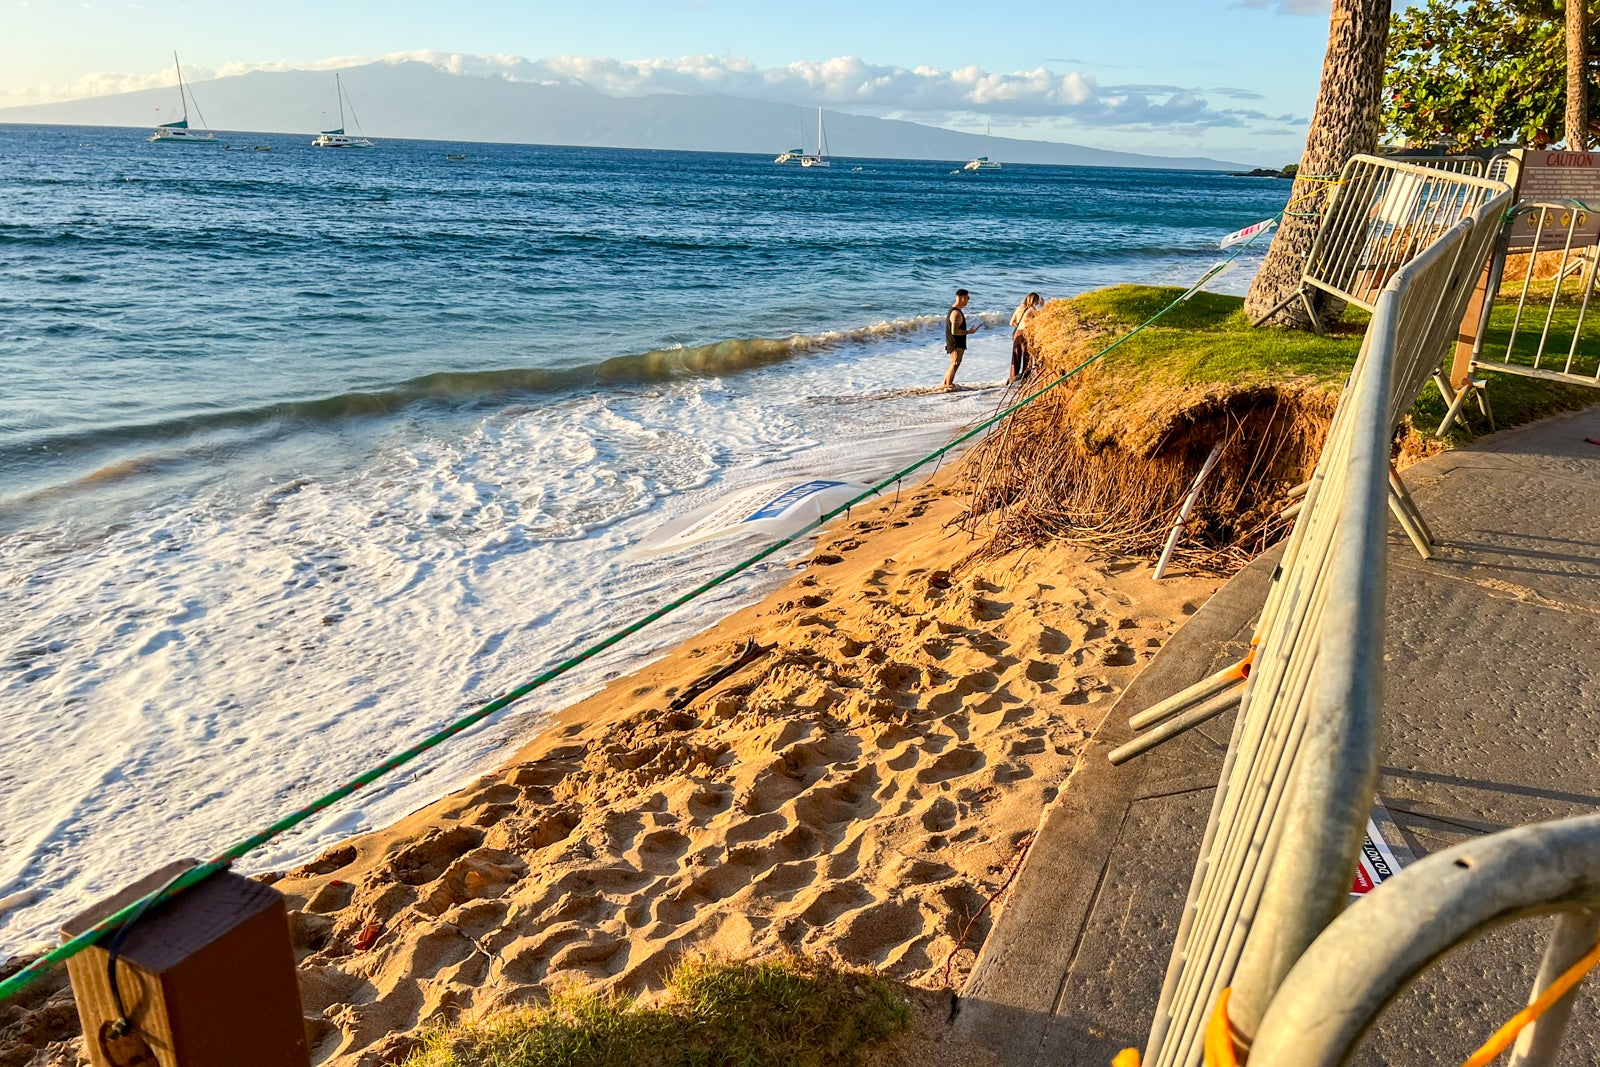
[[957, 762], [426, 860], [1118, 655], [330, 861], [941, 815], [659, 851], [1039, 670], [833, 902], [846, 802], [784, 880], [872, 933]]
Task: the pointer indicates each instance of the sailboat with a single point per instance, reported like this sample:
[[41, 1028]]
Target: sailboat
[[179, 132], [338, 138], [821, 158], [983, 162]]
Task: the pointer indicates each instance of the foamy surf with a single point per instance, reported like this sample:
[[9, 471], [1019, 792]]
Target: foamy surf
[[207, 667]]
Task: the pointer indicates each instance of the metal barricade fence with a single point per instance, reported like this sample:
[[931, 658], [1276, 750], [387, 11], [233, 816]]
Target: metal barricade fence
[[1568, 227], [1296, 787], [1432, 310], [1570, 231], [1367, 956], [1380, 214], [1476, 166]]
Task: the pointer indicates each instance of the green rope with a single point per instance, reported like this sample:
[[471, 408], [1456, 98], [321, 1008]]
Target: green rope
[[225, 858]]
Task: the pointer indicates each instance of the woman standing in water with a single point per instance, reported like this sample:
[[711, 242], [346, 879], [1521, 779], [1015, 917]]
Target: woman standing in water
[[1021, 357]]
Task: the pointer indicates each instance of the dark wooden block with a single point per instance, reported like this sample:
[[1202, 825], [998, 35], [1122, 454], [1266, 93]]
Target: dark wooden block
[[208, 978]]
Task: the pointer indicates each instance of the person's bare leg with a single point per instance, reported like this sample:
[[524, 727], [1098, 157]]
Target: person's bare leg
[[950, 375]]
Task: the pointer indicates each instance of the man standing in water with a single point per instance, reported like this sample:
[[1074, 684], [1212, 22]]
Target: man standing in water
[[955, 337]]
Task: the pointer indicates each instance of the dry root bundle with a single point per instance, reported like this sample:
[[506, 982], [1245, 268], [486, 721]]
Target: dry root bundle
[[1106, 459]]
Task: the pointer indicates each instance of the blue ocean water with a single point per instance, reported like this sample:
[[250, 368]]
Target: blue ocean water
[[302, 452]]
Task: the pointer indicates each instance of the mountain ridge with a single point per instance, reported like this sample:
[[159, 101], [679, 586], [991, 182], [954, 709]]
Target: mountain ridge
[[417, 101]]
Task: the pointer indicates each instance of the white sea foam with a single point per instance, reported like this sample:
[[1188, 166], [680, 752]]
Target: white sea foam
[[203, 669]]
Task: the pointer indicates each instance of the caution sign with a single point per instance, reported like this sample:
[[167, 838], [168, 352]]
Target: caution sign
[[1570, 181]]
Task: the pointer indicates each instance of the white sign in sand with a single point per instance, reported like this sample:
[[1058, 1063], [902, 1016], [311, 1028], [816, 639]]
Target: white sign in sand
[[773, 509]]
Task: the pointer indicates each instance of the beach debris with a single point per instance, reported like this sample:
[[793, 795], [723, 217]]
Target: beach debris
[[368, 937], [751, 652], [770, 509]]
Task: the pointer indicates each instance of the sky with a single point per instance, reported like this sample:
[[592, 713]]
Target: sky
[[1223, 78]]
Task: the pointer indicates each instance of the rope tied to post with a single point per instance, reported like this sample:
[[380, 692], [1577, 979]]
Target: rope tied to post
[[1323, 183]]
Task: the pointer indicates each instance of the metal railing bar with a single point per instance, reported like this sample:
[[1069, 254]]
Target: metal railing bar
[[1527, 280]]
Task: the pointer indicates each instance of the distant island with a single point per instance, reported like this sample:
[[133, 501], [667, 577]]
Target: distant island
[[1266, 172]]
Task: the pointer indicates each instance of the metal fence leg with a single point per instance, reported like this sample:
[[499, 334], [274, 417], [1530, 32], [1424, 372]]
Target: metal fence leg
[[1398, 506], [1203, 712], [1443, 385], [1311, 313], [1410, 502], [1575, 934], [1298, 294], [1454, 413], [1483, 402]]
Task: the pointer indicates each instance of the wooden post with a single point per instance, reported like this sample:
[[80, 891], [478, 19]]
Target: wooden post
[[1467, 335], [207, 979]]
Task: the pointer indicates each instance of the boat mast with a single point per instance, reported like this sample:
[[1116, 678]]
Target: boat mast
[[182, 98], [338, 89], [819, 131]]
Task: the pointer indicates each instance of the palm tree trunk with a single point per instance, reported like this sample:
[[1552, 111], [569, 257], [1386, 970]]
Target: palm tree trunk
[[1345, 124], [1577, 76]]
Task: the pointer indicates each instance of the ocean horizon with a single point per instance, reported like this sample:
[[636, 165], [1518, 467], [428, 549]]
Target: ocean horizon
[[304, 453]]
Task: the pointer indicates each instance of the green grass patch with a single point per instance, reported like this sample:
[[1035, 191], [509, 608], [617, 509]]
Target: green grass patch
[[1207, 339], [786, 1012]]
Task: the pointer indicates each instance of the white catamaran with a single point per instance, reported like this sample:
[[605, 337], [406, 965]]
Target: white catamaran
[[179, 132], [338, 138], [983, 162], [821, 158]]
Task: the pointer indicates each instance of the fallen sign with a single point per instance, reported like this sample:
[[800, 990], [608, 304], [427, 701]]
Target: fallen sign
[[1378, 861], [1245, 234], [776, 509]]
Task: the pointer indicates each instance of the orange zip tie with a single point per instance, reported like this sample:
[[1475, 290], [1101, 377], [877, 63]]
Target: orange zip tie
[[1219, 1038], [1504, 1036], [1242, 668], [1219, 1050]]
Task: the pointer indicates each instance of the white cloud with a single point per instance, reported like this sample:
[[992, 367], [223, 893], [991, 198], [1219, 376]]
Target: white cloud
[[927, 94], [848, 82]]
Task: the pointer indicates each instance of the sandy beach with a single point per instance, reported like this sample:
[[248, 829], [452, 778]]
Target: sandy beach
[[857, 787]]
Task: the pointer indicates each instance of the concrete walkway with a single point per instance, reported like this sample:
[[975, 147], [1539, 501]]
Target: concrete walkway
[[1491, 720]]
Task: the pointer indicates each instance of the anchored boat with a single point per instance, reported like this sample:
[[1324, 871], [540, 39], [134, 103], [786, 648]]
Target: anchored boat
[[821, 158], [983, 162], [338, 138], [179, 132]]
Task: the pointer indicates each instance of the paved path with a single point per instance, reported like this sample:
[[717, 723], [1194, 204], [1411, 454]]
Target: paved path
[[1491, 720]]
